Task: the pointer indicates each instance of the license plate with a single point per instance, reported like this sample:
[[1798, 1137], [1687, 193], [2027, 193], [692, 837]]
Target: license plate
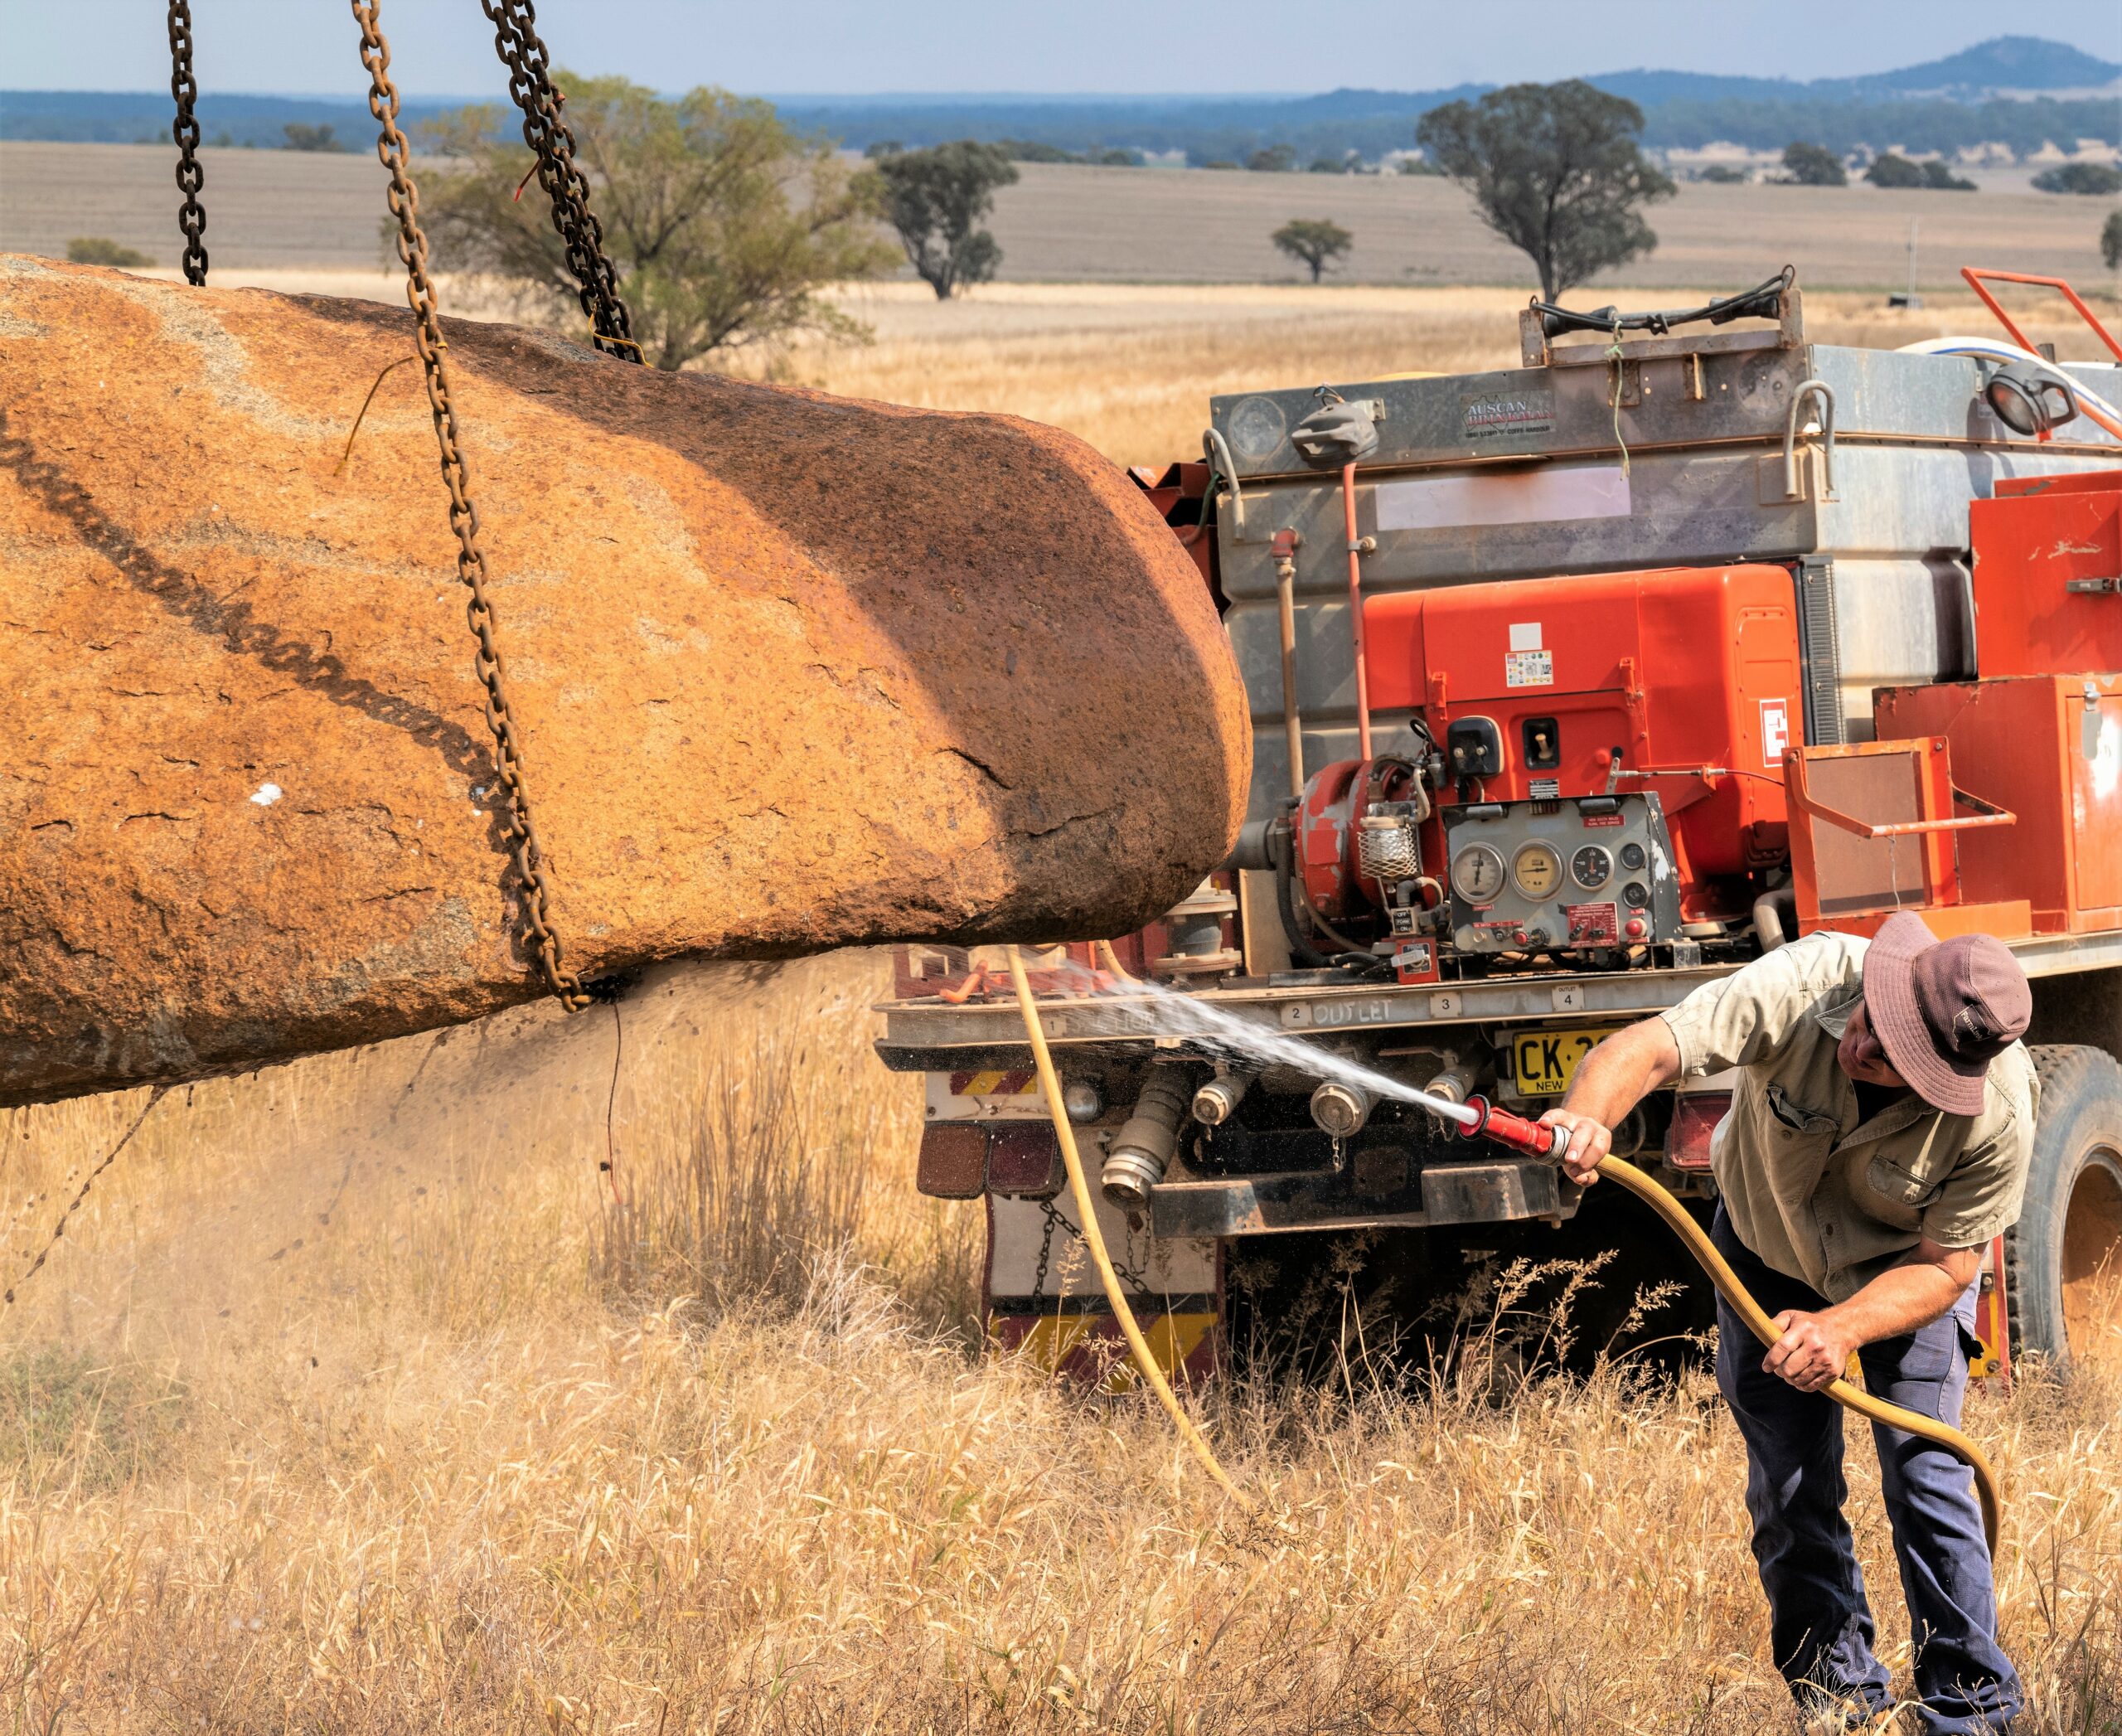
[[1545, 1061]]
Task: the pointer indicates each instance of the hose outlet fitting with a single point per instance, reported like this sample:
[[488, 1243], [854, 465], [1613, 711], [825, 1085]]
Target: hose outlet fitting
[[1142, 1151], [1340, 1109], [1216, 1101], [1454, 1083]]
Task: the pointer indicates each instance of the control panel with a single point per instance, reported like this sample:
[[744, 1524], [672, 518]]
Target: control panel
[[1570, 876]]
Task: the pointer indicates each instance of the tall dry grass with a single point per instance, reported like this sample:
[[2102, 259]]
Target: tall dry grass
[[359, 1398], [352, 1402]]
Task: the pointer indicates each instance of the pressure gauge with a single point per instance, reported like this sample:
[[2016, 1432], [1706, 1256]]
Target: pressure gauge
[[1591, 867], [1632, 857], [1538, 870], [1477, 874]]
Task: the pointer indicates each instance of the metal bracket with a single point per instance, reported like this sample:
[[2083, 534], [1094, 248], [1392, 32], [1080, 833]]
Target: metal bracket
[[1793, 486], [1216, 450]]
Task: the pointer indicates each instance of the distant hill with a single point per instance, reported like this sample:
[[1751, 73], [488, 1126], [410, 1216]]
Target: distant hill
[[2003, 63], [2023, 92], [1990, 93], [130, 117]]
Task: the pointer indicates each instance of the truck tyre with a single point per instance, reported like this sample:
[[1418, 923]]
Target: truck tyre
[[2063, 1259]]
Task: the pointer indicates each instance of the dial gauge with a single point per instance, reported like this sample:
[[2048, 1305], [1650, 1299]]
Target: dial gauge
[[1477, 874], [1537, 868], [1591, 867]]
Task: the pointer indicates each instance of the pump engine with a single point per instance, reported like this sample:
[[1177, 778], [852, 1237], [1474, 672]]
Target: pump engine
[[1591, 772]]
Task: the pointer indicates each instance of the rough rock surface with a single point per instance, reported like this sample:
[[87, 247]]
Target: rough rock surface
[[794, 672]]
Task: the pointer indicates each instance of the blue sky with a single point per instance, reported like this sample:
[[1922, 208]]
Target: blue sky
[[444, 47]]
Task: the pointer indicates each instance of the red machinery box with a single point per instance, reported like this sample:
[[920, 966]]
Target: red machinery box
[[1681, 669], [2048, 748], [2048, 575]]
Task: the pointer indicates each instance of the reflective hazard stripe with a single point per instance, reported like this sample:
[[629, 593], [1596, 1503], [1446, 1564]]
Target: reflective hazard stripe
[[995, 1082], [1056, 1340]]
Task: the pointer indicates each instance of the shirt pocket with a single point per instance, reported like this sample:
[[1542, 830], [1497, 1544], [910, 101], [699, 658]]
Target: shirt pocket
[[1794, 1119], [1903, 1184]]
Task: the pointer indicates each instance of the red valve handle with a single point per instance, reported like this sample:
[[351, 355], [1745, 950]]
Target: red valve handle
[[1531, 1138]]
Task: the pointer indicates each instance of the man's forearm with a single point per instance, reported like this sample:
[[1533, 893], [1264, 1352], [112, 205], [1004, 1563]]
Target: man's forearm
[[1609, 1082], [1622, 1071], [1814, 1348], [1903, 1298]]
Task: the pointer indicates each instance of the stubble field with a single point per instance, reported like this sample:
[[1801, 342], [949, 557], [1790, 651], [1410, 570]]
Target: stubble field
[[357, 1397], [274, 210]]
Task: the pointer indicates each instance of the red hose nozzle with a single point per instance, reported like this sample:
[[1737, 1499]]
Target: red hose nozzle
[[1531, 1138]]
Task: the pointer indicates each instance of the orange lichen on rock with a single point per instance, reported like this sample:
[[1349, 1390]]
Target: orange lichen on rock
[[793, 672]]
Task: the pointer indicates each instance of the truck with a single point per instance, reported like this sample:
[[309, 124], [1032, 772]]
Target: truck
[[1574, 686]]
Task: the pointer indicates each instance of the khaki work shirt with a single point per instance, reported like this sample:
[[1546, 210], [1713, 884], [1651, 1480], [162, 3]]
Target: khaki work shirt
[[1817, 1196]]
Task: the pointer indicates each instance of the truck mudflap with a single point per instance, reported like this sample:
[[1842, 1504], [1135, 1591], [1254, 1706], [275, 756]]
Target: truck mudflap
[[1043, 1300]]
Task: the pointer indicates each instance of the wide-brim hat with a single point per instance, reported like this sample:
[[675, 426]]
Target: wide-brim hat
[[1943, 1010]]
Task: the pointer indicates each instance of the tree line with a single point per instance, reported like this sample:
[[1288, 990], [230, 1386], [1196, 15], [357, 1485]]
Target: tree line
[[729, 228]]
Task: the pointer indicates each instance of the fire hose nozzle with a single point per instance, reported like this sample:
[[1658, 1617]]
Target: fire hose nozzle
[[1531, 1138]]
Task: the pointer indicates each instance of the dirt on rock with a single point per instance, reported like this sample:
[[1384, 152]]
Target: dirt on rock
[[793, 672]]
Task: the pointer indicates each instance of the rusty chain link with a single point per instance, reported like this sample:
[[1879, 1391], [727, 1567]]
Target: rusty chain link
[[191, 216], [531, 85], [530, 855]]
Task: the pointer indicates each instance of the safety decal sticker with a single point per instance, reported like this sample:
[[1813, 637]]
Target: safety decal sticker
[[1775, 732], [1529, 668]]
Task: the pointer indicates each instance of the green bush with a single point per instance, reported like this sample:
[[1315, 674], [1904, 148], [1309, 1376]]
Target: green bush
[[1892, 171], [1812, 165], [2098, 179], [303, 137], [102, 250], [1032, 150]]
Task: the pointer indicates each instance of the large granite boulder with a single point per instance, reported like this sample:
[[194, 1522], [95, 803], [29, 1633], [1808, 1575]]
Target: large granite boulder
[[793, 672]]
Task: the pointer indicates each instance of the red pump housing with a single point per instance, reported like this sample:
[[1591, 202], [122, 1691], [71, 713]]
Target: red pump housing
[[1692, 674]]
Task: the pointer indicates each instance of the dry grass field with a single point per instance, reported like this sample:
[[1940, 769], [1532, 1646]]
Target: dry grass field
[[1131, 369], [286, 209], [356, 1398]]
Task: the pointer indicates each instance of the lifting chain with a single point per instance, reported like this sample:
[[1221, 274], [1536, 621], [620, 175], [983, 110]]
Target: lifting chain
[[528, 855], [191, 216], [531, 83]]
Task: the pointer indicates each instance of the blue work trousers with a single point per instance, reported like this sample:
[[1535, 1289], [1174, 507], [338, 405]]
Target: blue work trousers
[[1820, 1623]]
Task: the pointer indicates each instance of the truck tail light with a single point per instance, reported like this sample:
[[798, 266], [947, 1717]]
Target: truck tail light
[[1695, 1117], [1024, 1158], [954, 1164]]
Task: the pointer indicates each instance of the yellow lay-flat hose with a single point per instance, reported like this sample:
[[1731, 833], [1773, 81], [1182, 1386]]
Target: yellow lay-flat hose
[[1691, 1233], [1856, 1398], [1094, 1238]]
